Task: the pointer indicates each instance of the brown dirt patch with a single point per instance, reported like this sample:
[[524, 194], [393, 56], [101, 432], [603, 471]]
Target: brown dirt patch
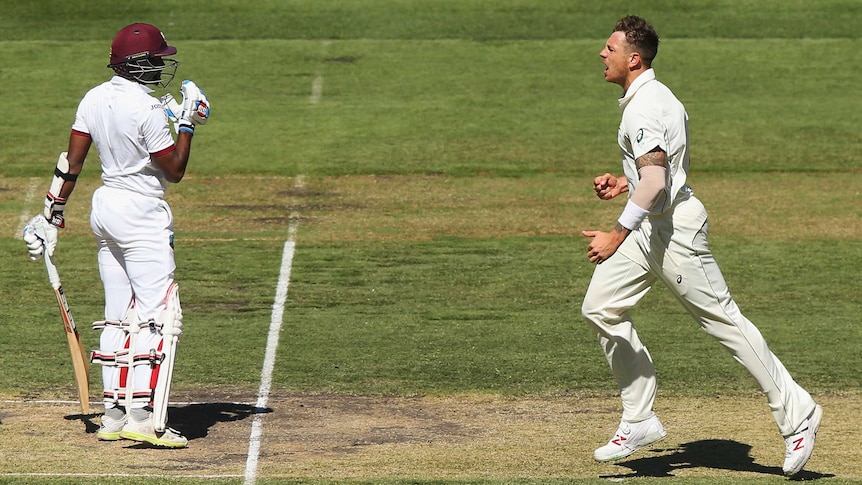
[[456, 437]]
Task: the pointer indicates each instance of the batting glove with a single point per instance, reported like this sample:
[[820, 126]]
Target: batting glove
[[195, 109], [196, 106], [54, 207], [175, 113], [40, 235]]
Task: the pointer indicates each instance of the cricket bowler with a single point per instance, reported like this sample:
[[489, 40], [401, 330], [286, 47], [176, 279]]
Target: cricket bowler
[[661, 235]]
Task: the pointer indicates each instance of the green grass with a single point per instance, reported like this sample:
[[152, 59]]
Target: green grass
[[509, 108], [397, 315], [453, 102], [431, 19], [447, 316], [401, 296]]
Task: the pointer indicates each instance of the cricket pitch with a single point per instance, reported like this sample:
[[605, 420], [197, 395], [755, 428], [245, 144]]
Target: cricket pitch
[[462, 437]]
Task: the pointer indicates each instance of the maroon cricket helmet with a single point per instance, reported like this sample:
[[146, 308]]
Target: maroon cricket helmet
[[137, 41]]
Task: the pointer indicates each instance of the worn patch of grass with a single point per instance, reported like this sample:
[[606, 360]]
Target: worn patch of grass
[[453, 439]]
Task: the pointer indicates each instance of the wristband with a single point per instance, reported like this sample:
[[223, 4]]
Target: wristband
[[188, 129], [632, 216]]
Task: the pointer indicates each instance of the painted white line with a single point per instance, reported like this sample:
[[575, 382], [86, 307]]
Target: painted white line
[[317, 84], [99, 403], [254, 440], [316, 89], [172, 476], [25, 212]]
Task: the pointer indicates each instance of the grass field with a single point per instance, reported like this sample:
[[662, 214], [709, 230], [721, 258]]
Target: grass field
[[432, 163]]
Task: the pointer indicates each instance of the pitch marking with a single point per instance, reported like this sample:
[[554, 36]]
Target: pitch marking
[[114, 475], [254, 440], [316, 89], [317, 84], [25, 215]]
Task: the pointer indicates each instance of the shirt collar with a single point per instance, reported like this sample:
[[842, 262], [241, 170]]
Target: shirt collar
[[121, 81], [643, 78]]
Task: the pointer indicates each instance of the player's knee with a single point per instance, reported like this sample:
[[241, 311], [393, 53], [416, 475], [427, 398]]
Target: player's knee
[[591, 309], [598, 314]]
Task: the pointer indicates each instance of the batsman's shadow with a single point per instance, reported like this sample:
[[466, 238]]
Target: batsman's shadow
[[192, 420], [91, 424], [195, 420], [715, 454]]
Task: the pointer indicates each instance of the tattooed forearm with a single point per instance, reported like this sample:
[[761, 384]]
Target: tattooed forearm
[[621, 229], [657, 157]]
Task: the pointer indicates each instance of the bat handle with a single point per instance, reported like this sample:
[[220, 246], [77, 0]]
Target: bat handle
[[53, 275]]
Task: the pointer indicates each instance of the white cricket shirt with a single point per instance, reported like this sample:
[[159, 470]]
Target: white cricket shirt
[[127, 125], [654, 117]]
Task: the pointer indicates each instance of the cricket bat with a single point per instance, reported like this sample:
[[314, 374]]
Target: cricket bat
[[76, 348]]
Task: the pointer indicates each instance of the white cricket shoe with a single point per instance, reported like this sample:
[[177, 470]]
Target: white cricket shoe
[[800, 444], [110, 428], [630, 437], [145, 432]]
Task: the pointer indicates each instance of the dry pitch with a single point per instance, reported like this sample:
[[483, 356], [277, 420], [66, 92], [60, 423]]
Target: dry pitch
[[458, 437]]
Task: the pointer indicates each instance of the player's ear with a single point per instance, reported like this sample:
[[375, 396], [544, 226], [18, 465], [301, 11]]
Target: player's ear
[[634, 60]]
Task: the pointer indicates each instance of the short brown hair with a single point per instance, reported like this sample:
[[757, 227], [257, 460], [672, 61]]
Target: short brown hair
[[640, 35]]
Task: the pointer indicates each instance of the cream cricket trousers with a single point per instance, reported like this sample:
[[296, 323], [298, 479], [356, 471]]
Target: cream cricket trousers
[[673, 249], [134, 234]]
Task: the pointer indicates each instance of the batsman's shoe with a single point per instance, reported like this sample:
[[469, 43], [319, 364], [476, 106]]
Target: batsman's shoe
[[143, 431], [630, 437], [110, 428], [800, 444]]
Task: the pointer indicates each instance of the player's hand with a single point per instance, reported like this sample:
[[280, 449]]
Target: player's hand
[[196, 106], [40, 235], [604, 244], [172, 108], [607, 186]]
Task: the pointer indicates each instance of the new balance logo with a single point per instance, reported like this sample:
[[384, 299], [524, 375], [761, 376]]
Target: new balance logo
[[619, 440], [797, 444]]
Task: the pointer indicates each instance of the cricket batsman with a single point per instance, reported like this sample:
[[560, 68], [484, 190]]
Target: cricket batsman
[[133, 226]]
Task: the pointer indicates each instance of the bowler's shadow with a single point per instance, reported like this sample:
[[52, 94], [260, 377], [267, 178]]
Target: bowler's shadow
[[716, 454]]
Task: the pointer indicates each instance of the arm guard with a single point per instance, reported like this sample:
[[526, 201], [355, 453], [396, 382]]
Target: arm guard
[[54, 204]]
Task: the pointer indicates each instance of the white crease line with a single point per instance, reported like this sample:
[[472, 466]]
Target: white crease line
[[317, 84], [254, 440], [25, 212], [172, 476], [316, 89], [97, 403]]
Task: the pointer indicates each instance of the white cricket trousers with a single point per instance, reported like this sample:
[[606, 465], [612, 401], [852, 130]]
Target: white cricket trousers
[[673, 249], [134, 234]]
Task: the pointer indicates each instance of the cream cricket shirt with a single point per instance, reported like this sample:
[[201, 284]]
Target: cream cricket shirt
[[127, 125], [653, 117]]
